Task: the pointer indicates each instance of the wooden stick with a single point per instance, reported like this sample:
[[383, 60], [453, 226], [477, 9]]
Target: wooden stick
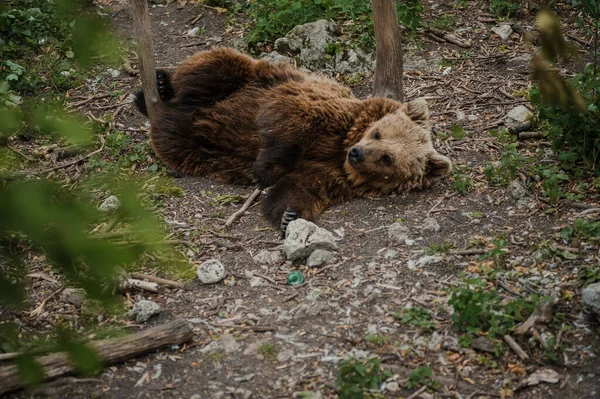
[[388, 51], [141, 25], [111, 350], [9, 356], [238, 214], [128, 283], [158, 280], [515, 347]]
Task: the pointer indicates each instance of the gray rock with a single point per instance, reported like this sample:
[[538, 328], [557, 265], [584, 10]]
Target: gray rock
[[392, 386], [110, 204], [590, 297], [504, 31], [211, 271], [430, 224], [303, 237], [193, 32], [519, 113], [319, 257], [421, 61], [316, 46], [266, 257], [517, 191], [390, 254], [226, 343], [398, 233], [275, 58], [143, 310], [285, 355], [74, 296]]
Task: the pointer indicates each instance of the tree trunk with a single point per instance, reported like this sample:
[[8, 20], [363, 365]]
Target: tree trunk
[[141, 25], [111, 350], [389, 67]]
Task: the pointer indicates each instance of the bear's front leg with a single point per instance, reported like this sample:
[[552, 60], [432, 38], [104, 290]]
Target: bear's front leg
[[290, 199], [274, 162]]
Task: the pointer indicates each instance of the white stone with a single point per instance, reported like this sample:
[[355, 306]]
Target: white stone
[[74, 296], [143, 310], [392, 386], [504, 31], [110, 204], [398, 233], [319, 257], [430, 224], [193, 32], [303, 237], [590, 297], [519, 113], [211, 271], [517, 191]]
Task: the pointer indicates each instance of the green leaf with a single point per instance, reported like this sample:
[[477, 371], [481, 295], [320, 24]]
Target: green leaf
[[30, 370]]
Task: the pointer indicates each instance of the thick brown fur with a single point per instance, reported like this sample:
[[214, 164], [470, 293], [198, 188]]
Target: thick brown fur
[[244, 121]]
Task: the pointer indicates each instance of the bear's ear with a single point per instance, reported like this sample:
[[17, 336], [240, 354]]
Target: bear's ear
[[438, 165], [417, 110]]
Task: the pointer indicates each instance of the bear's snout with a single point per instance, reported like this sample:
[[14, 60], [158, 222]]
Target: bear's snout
[[356, 154]]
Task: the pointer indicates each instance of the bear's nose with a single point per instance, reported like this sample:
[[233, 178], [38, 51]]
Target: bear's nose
[[355, 155]]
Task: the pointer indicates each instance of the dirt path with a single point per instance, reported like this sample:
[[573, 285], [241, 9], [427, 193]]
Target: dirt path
[[312, 327]]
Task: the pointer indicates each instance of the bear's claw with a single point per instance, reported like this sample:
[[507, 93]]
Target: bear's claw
[[163, 83], [288, 216]]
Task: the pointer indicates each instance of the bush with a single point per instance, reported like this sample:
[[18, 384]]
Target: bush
[[274, 18], [575, 133]]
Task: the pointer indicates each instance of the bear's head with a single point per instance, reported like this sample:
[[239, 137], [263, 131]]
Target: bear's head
[[395, 153]]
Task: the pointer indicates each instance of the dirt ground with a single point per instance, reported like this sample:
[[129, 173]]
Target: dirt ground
[[257, 337]]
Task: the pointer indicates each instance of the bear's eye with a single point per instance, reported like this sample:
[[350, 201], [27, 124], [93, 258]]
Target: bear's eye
[[377, 135], [387, 159]]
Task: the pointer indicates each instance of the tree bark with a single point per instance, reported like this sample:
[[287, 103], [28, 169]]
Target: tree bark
[[141, 25], [389, 67], [111, 350]]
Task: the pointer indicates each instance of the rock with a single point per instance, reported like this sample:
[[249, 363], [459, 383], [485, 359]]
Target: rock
[[285, 355], [421, 61], [398, 233], [390, 254], [392, 386], [227, 343], [483, 344], [211, 271], [590, 297], [517, 191], [143, 310], [266, 257], [423, 261], [519, 113], [430, 224], [74, 296], [303, 237], [319, 257], [542, 375], [91, 308], [316, 46], [275, 58], [193, 32], [110, 204], [504, 31]]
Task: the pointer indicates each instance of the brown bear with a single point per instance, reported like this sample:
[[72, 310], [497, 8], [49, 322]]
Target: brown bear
[[225, 115]]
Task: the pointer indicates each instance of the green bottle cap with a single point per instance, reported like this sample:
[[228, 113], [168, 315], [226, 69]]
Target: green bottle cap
[[295, 278]]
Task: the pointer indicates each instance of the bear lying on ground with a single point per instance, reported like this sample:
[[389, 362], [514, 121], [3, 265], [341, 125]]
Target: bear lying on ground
[[225, 115]]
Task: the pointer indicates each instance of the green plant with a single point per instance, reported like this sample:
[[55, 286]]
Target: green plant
[[416, 316], [444, 22], [479, 309], [582, 229], [498, 253], [421, 376], [504, 8], [356, 376], [375, 339], [505, 170], [589, 275], [462, 183], [439, 248], [269, 350]]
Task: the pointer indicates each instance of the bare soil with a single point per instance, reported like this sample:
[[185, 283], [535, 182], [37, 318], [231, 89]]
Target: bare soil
[[314, 325]]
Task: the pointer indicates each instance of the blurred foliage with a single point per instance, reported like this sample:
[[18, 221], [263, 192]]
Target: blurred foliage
[[568, 109], [47, 47]]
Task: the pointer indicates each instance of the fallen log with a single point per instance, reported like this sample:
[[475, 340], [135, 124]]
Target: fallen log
[[110, 350]]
